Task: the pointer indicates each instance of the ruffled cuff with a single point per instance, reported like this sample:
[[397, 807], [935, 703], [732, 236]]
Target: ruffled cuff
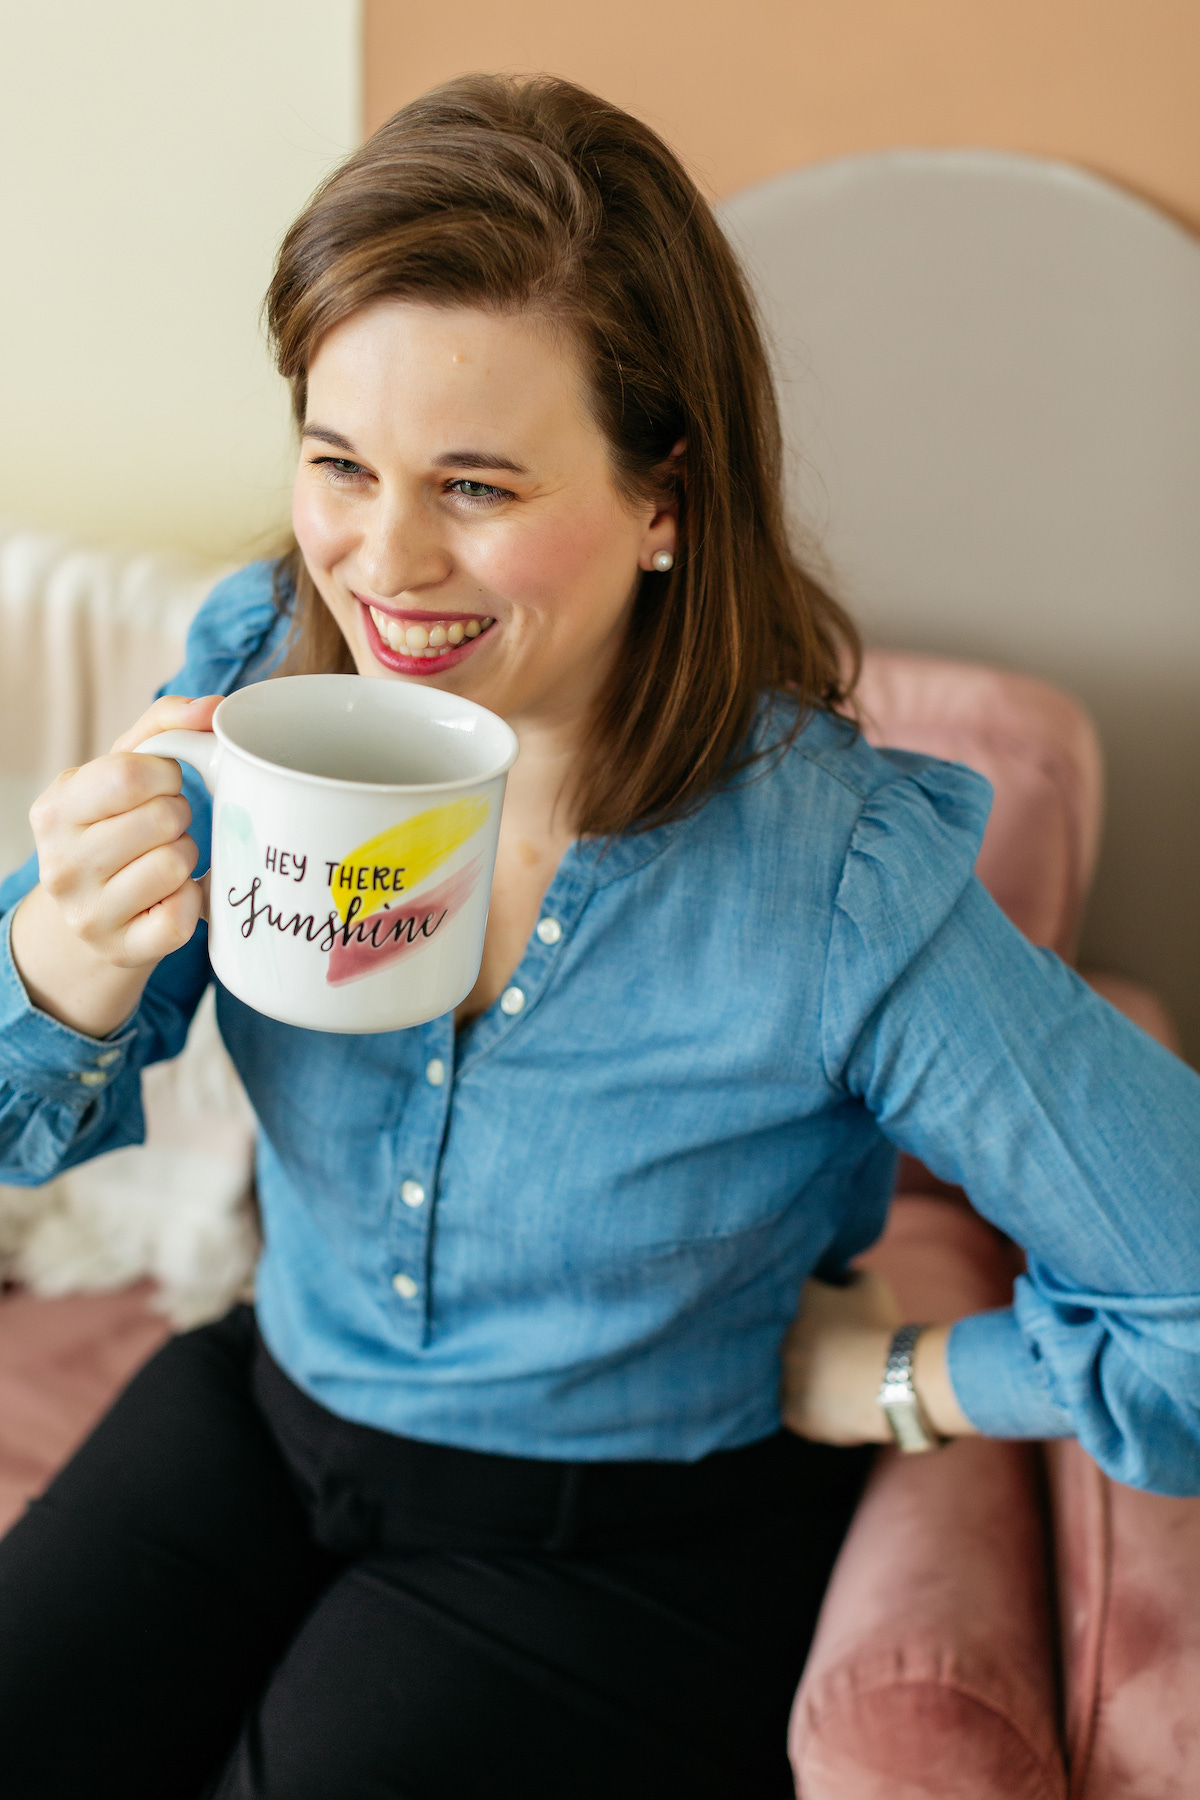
[[999, 1380]]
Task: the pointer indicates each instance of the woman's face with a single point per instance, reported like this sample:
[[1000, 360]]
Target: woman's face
[[456, 508]]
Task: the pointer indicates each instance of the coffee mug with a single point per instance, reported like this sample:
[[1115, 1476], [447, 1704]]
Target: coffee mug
[[354, 838]]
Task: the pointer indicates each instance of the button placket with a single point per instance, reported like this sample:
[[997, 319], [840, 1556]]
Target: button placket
[[419, 1146], [565, 901]]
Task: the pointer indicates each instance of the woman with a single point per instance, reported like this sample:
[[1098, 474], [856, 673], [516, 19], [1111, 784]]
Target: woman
[[493, 1498]]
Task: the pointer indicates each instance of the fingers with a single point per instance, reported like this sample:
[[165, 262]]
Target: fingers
[[88, 855], [105, 789], [173, 712], [147, 881], [162, 927], [113, 850], [112, 844]]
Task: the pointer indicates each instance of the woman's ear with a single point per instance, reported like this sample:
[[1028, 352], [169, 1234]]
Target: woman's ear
[[662, 537]]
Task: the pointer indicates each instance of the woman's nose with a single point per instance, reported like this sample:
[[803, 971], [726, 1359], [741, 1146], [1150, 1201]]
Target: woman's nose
[[402, 552]]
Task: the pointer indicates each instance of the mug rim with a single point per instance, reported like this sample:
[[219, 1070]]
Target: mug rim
[[373, 787]]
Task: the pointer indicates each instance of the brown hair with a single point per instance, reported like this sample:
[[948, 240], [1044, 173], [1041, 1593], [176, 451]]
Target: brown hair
[[534, 193]]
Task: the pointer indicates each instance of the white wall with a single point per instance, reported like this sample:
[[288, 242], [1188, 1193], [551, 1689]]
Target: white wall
[[151, 156]]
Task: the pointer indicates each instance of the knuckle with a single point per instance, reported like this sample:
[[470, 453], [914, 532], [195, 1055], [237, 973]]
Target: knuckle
[[162, 817], [180, 860], [45, 813]]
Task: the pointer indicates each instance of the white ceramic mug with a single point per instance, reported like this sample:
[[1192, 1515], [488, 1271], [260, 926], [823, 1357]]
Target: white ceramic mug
[[354, 839]]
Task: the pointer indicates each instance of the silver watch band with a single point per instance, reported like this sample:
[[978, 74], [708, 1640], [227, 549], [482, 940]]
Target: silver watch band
[[898, 1397]]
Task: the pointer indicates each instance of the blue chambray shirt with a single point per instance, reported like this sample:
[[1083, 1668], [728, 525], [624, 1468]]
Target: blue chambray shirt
[[579, 1228]]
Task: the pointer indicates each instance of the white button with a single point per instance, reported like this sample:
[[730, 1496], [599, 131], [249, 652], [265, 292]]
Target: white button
[[511, 1001], [549, 930], [405, 1286], [93, 1078], [412, 1193], [108, 1059], [435, 1072]]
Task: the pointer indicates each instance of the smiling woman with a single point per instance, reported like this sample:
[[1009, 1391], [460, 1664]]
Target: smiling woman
[[531, 255], [490, 1492]]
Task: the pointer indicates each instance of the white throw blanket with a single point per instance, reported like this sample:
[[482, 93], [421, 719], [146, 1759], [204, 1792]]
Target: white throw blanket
[[85, 637]]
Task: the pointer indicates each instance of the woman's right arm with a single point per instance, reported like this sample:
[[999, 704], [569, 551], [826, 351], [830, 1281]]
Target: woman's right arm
[[114, 900]]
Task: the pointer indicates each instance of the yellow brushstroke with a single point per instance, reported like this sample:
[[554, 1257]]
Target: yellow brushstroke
[[416, 848]]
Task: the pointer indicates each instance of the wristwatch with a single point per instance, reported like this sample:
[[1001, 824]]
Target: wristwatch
[[898, 1397]]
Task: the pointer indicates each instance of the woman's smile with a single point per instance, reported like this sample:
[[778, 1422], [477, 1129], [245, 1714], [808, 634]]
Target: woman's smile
[[421, 643]]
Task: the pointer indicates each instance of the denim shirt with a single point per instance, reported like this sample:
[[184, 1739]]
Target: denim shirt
[[578, 1229]]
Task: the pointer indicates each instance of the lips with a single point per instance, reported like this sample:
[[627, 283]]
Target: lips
[[432, 657]]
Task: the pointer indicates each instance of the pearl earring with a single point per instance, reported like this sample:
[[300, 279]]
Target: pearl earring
[[663, 560]]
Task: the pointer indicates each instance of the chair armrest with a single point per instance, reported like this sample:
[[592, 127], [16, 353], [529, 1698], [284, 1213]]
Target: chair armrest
[[1129, 1591], [931, 1671]]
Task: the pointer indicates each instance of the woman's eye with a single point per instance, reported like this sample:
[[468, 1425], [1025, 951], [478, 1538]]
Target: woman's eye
[[478, 491], [338, 468]]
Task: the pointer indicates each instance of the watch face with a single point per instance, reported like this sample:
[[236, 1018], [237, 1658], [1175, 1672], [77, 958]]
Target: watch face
[[908, 1426]]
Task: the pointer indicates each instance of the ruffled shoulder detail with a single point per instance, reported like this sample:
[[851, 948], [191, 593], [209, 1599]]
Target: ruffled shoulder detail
[[238, 634], [911, 855]]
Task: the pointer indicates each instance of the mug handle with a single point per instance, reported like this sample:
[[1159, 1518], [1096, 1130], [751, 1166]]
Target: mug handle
[[201, 749]]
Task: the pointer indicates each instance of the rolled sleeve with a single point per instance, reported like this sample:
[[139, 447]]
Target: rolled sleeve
[[999, 1380]]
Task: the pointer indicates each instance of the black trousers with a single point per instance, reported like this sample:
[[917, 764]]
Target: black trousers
[[231, 1593]]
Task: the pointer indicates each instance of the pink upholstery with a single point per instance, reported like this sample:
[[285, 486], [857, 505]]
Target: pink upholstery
[[61, 1362], [1129, 1602], [1129, 1599], [931, 1672], [1039, 750]]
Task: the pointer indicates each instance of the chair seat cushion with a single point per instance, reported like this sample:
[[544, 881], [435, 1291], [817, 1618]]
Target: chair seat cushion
[[62, 1363]]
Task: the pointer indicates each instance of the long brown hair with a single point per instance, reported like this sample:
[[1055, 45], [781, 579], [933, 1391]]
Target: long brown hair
[[509, 194]]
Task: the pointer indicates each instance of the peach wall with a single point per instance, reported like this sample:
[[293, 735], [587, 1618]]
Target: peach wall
[[747, 88]]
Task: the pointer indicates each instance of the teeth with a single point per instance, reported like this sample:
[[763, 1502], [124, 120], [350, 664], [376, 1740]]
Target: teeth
[[421, 641]]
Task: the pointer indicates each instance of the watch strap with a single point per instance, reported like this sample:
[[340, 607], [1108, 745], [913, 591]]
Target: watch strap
[[897, 1397]]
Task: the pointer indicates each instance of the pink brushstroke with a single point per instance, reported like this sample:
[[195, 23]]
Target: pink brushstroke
[[395, 931]]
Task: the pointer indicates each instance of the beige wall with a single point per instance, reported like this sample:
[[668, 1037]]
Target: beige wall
[[748, 88], [151, 156]]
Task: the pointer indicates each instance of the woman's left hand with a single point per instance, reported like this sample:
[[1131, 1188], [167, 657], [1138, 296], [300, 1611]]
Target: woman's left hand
[[833, 1362], [833, 1359]]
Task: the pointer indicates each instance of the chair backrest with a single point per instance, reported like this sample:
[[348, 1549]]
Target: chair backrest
[[1039, 750], [989, 372]]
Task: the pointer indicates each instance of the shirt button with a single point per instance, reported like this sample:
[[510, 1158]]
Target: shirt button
[[511, 1001], [108, 1059], [435, 1072], [549, 930], [93, 1078], [412, 1194], [405, 1286]]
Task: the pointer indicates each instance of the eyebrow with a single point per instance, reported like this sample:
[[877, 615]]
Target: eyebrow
[[451, 459], [478, 459], [328, 436]]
